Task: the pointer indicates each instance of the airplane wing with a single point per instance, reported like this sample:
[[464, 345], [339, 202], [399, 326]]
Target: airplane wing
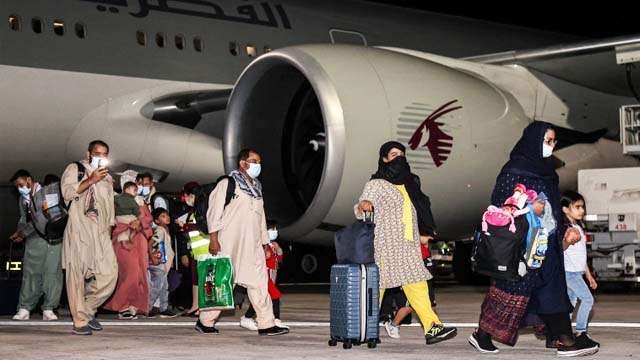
[[605, 65]]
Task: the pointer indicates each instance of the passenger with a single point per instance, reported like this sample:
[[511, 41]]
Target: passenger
[[127, 210], [186, 223], [575, 262], [531, 164], [161, 257], [41, 271], [505, 304], [50, 179], [400, 207], [273, 260], [131, 296], [147, 190], [397, 309], [240, 231], [87, 254]]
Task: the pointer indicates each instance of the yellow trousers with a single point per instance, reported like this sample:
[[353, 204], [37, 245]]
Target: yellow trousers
[[418, 297]]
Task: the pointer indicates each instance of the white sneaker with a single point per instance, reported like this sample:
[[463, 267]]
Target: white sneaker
[[279, 323], [49, 315], [22, 314], [392, 330], [248, 324]]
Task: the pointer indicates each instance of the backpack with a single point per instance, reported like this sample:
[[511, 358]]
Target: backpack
[[58, 215], [201, 204], [497, 250]]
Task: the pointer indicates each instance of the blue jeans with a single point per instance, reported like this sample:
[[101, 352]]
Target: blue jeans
[[158, 287], [578, 289]]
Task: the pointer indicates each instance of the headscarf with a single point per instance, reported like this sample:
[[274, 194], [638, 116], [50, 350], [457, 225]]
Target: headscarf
[[526, 156], [398, 172]]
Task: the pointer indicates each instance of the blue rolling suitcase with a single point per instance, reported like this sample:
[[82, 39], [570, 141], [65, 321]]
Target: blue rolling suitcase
[[354, 305]]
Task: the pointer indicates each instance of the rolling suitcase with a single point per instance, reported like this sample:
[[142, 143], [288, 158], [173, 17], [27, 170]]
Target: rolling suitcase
[[354, 305]]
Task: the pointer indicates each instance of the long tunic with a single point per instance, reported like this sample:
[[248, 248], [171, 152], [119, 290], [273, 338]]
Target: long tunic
[[242, 232], [399, 259], [87, 243]]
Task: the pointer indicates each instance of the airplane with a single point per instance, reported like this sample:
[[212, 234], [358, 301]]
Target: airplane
[[178, 87]]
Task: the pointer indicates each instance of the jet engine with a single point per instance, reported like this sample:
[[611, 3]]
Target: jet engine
[[319, 113]]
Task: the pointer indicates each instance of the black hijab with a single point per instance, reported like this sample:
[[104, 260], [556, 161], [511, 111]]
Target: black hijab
[[398, 172], [526, 156]]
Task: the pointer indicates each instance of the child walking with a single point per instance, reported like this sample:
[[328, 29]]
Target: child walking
[[575, 262], [160, 259]]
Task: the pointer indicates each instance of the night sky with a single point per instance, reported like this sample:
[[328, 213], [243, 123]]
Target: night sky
[[594, 21]]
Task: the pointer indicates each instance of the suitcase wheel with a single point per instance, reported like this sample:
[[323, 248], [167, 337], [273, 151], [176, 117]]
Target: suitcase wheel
[[347, 345], [333, 342], [372, 344]]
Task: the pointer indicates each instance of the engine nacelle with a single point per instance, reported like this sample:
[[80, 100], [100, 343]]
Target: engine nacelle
[[319, 113]]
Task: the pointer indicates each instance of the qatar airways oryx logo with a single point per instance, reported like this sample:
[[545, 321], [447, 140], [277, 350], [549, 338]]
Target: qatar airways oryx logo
[[430, 140]]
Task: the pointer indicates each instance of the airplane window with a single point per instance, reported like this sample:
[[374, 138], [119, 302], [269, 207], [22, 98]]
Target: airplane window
[[180, 41], [197, 43], [81, 31], [36, 25], [14, 22], [160, 40], [267, 49], [252, 51], [141, 37], [233, 48], [58, 27]]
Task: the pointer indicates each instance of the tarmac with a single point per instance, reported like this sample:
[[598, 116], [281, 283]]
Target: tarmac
[[615, 324]]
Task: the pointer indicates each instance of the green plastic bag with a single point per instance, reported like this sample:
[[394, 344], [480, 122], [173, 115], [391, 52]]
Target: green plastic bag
[[215, 283]]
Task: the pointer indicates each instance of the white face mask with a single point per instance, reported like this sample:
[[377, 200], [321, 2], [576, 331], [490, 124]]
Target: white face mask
[[97, 162], [254, 170], [546, 150], [190, 200], [24, 191], [273, 234]]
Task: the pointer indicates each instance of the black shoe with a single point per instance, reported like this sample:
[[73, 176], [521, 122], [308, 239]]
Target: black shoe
[[127, 315], [483, 345], [206, 329], [439, 333], [585, 339], [154, 312], [85, 330], [273, 331], [94, 325], [577, 349], [167, 314], [552, 343]]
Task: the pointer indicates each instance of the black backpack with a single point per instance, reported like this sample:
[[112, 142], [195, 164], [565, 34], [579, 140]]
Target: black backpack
[[498, 251], [201, 205]]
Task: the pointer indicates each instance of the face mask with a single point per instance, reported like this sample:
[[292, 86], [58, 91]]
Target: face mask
[[24, 191], [143, 190], [254, 170], [546, 150], [273, 234], [96, 162], [189, 200], [398, 166]]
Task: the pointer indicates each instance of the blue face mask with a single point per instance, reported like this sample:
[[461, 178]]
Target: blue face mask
[[24, 191], [254, 170], [144, 190]]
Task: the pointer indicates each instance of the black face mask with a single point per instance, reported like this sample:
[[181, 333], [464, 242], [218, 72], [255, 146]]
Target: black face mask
[[397, 169]]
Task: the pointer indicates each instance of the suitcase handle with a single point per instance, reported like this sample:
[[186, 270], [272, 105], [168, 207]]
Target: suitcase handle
[[370, 301]]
